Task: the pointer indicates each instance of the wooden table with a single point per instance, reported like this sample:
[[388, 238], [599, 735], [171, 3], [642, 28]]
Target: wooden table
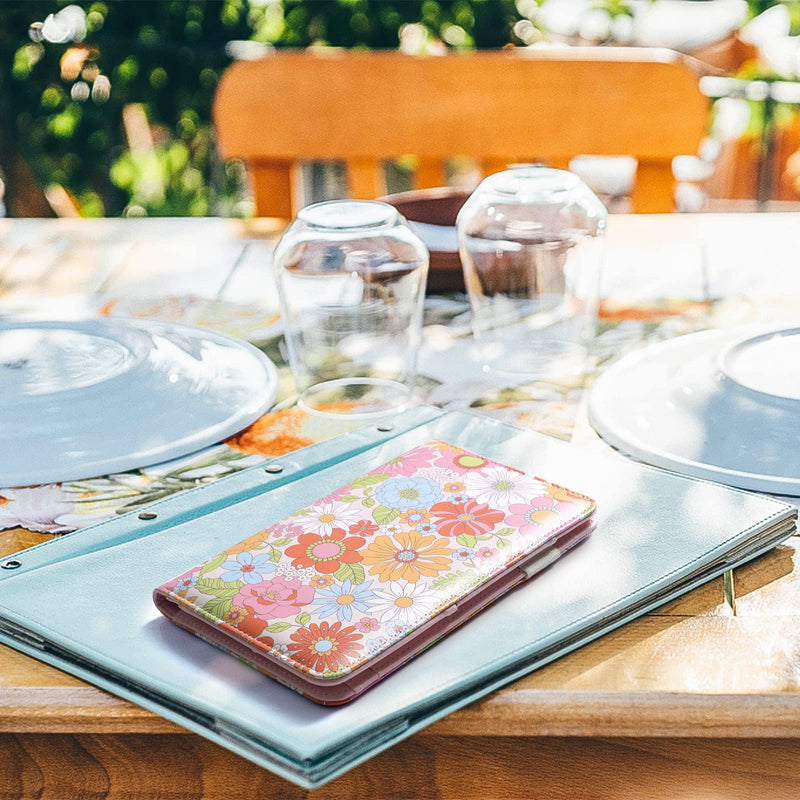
[[690, 701]]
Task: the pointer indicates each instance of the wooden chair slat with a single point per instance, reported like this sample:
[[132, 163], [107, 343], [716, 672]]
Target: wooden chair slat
[[368, 107], [654, 187], [365, 178], [429, 173], [272, 188], [491, 165]]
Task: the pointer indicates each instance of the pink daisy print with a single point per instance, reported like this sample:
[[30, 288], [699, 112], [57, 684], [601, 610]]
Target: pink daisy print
[[285, 530], [460, 463], [407, 465], [544, 512]]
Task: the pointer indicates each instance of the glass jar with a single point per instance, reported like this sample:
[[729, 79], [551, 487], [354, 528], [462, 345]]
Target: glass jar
[[351, 279], [530, 241]]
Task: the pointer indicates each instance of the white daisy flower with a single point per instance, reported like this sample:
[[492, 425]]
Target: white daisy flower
[[499, 487], [404, 601], [327, 516]]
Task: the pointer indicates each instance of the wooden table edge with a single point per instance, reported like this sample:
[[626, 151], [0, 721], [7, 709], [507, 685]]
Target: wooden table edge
[[510, 713]]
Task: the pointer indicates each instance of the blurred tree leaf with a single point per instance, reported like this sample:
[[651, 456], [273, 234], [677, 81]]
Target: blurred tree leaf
[[61, 102]]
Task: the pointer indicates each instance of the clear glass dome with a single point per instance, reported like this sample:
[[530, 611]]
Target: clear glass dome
[[351, 278], [530, 244]]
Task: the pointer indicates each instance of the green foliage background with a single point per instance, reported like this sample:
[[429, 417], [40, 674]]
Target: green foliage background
[[168, 56]]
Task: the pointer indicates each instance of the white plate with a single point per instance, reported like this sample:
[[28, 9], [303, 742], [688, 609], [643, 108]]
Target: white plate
[[85, 398], [721, 405]]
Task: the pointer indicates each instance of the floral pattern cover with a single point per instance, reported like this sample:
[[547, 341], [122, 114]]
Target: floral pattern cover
[[333, 585]]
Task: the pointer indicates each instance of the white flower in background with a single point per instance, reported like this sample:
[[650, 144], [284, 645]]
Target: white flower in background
[[404, 601], [327, 516], [40, 509], [499, 487]]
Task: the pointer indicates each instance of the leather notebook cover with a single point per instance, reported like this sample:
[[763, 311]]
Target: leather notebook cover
[[331, 598], [84, 602]]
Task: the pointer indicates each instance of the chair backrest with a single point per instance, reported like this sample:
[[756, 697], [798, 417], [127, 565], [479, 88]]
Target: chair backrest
[[500, 107]]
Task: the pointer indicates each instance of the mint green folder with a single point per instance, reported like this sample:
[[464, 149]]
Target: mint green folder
[[83, 602]]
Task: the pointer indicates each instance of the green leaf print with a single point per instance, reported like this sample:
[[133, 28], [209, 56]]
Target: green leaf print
[[303, 619], [466, 540], [355, 572], [348, 498], [368, 502], [216, 587], [218, 607], [277, 627], [504, 532], [383, 515], [457, 580], [369, 480], [214, 563], [281, 542]]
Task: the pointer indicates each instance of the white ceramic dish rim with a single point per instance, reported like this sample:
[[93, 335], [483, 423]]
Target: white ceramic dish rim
[[635, 448], [144, 458]]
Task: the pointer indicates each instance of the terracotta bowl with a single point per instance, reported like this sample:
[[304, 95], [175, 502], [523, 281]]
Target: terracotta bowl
[[435, 210]]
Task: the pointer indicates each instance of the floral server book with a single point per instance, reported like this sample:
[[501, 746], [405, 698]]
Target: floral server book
[[333, 597]]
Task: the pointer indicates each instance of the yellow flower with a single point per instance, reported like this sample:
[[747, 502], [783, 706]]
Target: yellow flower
[[443, 447], [414, 517], [562, 495], [235, 615], [408, 556]]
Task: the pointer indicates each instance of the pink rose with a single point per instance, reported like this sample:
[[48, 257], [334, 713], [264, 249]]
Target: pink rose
[[274, 597]]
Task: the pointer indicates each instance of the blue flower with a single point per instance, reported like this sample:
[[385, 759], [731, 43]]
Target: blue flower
[[464, 554], [341, 600], [408, 493], [186, 583], [248, 568], [427, 527], [377, 644]]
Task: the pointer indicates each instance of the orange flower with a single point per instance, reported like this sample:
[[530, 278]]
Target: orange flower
[[325, 553], [281, 432], [407, 556], [235, 615], [325, 646], [470, 518], [272, 435]]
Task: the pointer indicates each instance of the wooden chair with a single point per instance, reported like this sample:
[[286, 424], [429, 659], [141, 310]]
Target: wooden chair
[[500, 107]]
